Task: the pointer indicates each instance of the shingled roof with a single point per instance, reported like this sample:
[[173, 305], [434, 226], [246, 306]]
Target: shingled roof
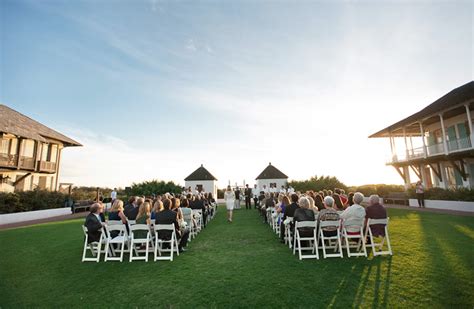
[[460, 95], [271, 172], [200, 174], [18, 124]]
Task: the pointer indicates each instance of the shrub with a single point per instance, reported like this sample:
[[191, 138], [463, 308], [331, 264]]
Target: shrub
[[317, 183], [149, 188], [460, 194], [30, 200], [382, 190]]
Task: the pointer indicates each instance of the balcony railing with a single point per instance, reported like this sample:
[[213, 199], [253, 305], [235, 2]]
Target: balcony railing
[[27, 163], [435, 149], [8, 160], [49, 167], [459, 144]]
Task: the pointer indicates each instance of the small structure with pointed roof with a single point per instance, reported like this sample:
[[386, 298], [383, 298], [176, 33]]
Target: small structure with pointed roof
[[201, 179], [271, 175], [30, 153]]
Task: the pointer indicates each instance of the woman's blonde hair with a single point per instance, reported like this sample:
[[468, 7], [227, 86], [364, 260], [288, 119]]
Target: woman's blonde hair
[[158, 206], [144, 210], [117, 206]]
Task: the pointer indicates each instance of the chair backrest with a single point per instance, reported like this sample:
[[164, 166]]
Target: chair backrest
[[353, 223], [300, 224], [85, 230], [114, 222], [328, 223], [131, 222], [139, 227], [164, 227], [377, 221], [117, 227]]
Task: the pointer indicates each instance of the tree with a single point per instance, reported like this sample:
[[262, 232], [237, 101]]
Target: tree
[[317, 184], [149, 188]]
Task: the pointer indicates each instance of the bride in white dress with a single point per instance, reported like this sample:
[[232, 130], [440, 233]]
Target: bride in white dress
[[229, 198]]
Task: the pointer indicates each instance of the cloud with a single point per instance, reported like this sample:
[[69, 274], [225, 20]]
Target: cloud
[[191, 46]]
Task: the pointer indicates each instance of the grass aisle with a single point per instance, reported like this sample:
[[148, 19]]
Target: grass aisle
[[243, 265]]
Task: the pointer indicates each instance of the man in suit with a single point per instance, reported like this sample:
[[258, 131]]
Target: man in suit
[[255, 193], [94, 224], [248, 197], [167, 216], [289, 212]]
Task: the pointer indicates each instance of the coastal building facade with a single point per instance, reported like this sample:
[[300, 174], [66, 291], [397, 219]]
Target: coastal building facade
[[30, 153], [436, 142]]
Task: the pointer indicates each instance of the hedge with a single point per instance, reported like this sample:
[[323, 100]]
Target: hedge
[[30, 200]]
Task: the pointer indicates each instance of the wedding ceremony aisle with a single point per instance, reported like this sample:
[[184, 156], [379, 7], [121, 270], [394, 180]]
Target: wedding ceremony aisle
[[243, 264]]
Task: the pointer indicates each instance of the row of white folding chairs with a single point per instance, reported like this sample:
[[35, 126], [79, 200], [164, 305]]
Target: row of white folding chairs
[[151, 244], [341, 238]]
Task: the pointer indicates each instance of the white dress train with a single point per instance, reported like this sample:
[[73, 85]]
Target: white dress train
[[229, 198]]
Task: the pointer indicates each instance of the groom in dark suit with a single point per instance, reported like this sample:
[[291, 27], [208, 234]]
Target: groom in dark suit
[[94, 224], [248, 197]]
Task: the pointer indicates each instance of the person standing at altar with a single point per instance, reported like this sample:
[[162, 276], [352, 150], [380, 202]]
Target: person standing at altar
[[237, 197], [229, 198], [248, 197], [265, 189], [255, 194]]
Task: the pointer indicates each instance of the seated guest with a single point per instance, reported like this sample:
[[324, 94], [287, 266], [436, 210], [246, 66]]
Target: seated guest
[[312, 205], [131, 209], [329, 214], [343, 198], [175, 203], [376, 211], [101, 212], [116, 212], [167, 216], [338, 205], [187, 213], [94, 224], [285, 201], [350, 199], [304, 213], [318, 201], [157, 207], [354, 212], [289, 212], [199, 204], [143, 217]]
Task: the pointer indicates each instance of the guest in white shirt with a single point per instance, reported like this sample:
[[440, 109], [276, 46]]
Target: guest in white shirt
[[273, 188], [255, 194], [113, 195], [265, 189], [354, 212], [291, 190], [283, 190]]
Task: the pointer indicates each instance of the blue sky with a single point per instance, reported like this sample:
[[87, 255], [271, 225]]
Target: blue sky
[[155, 88]]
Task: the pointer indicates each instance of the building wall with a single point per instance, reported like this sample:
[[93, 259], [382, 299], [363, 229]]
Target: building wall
[[208, 185], [32, 182], [267, 182]]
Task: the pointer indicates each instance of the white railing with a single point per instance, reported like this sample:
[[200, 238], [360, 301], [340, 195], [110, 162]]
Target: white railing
[[435, 149]]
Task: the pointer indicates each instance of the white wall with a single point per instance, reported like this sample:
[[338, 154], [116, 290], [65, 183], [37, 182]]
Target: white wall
[[33, 215], [448, 205], [267, 182], [208, 185]]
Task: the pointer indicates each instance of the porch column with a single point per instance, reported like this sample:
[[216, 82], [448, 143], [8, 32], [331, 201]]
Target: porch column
[[406, 172], [391, 146], [445, 144], [469, 121], [406, 144], [422, 131]]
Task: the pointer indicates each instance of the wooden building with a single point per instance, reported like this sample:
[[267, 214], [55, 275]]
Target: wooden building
[[30, 153], [202, 179], [436, 143], [272, 175]]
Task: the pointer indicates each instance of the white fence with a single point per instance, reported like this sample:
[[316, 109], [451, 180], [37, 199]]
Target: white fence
[[33, 215]]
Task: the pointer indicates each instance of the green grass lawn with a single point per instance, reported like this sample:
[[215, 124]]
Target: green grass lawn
[[243, 265]]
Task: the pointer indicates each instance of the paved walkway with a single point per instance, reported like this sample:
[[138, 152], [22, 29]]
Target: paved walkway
[[45, 220]]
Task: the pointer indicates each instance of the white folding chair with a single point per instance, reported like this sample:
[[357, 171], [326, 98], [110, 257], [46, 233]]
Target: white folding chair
[[173, 242], [353, 230], [119, 240], [188, 218], [334, 242], [386, 238], [94, 247], [312, 240], [139, 241], [288, 234], [197, 214]]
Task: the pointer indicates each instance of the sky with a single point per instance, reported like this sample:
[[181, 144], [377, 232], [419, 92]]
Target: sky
[[153, 89]]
